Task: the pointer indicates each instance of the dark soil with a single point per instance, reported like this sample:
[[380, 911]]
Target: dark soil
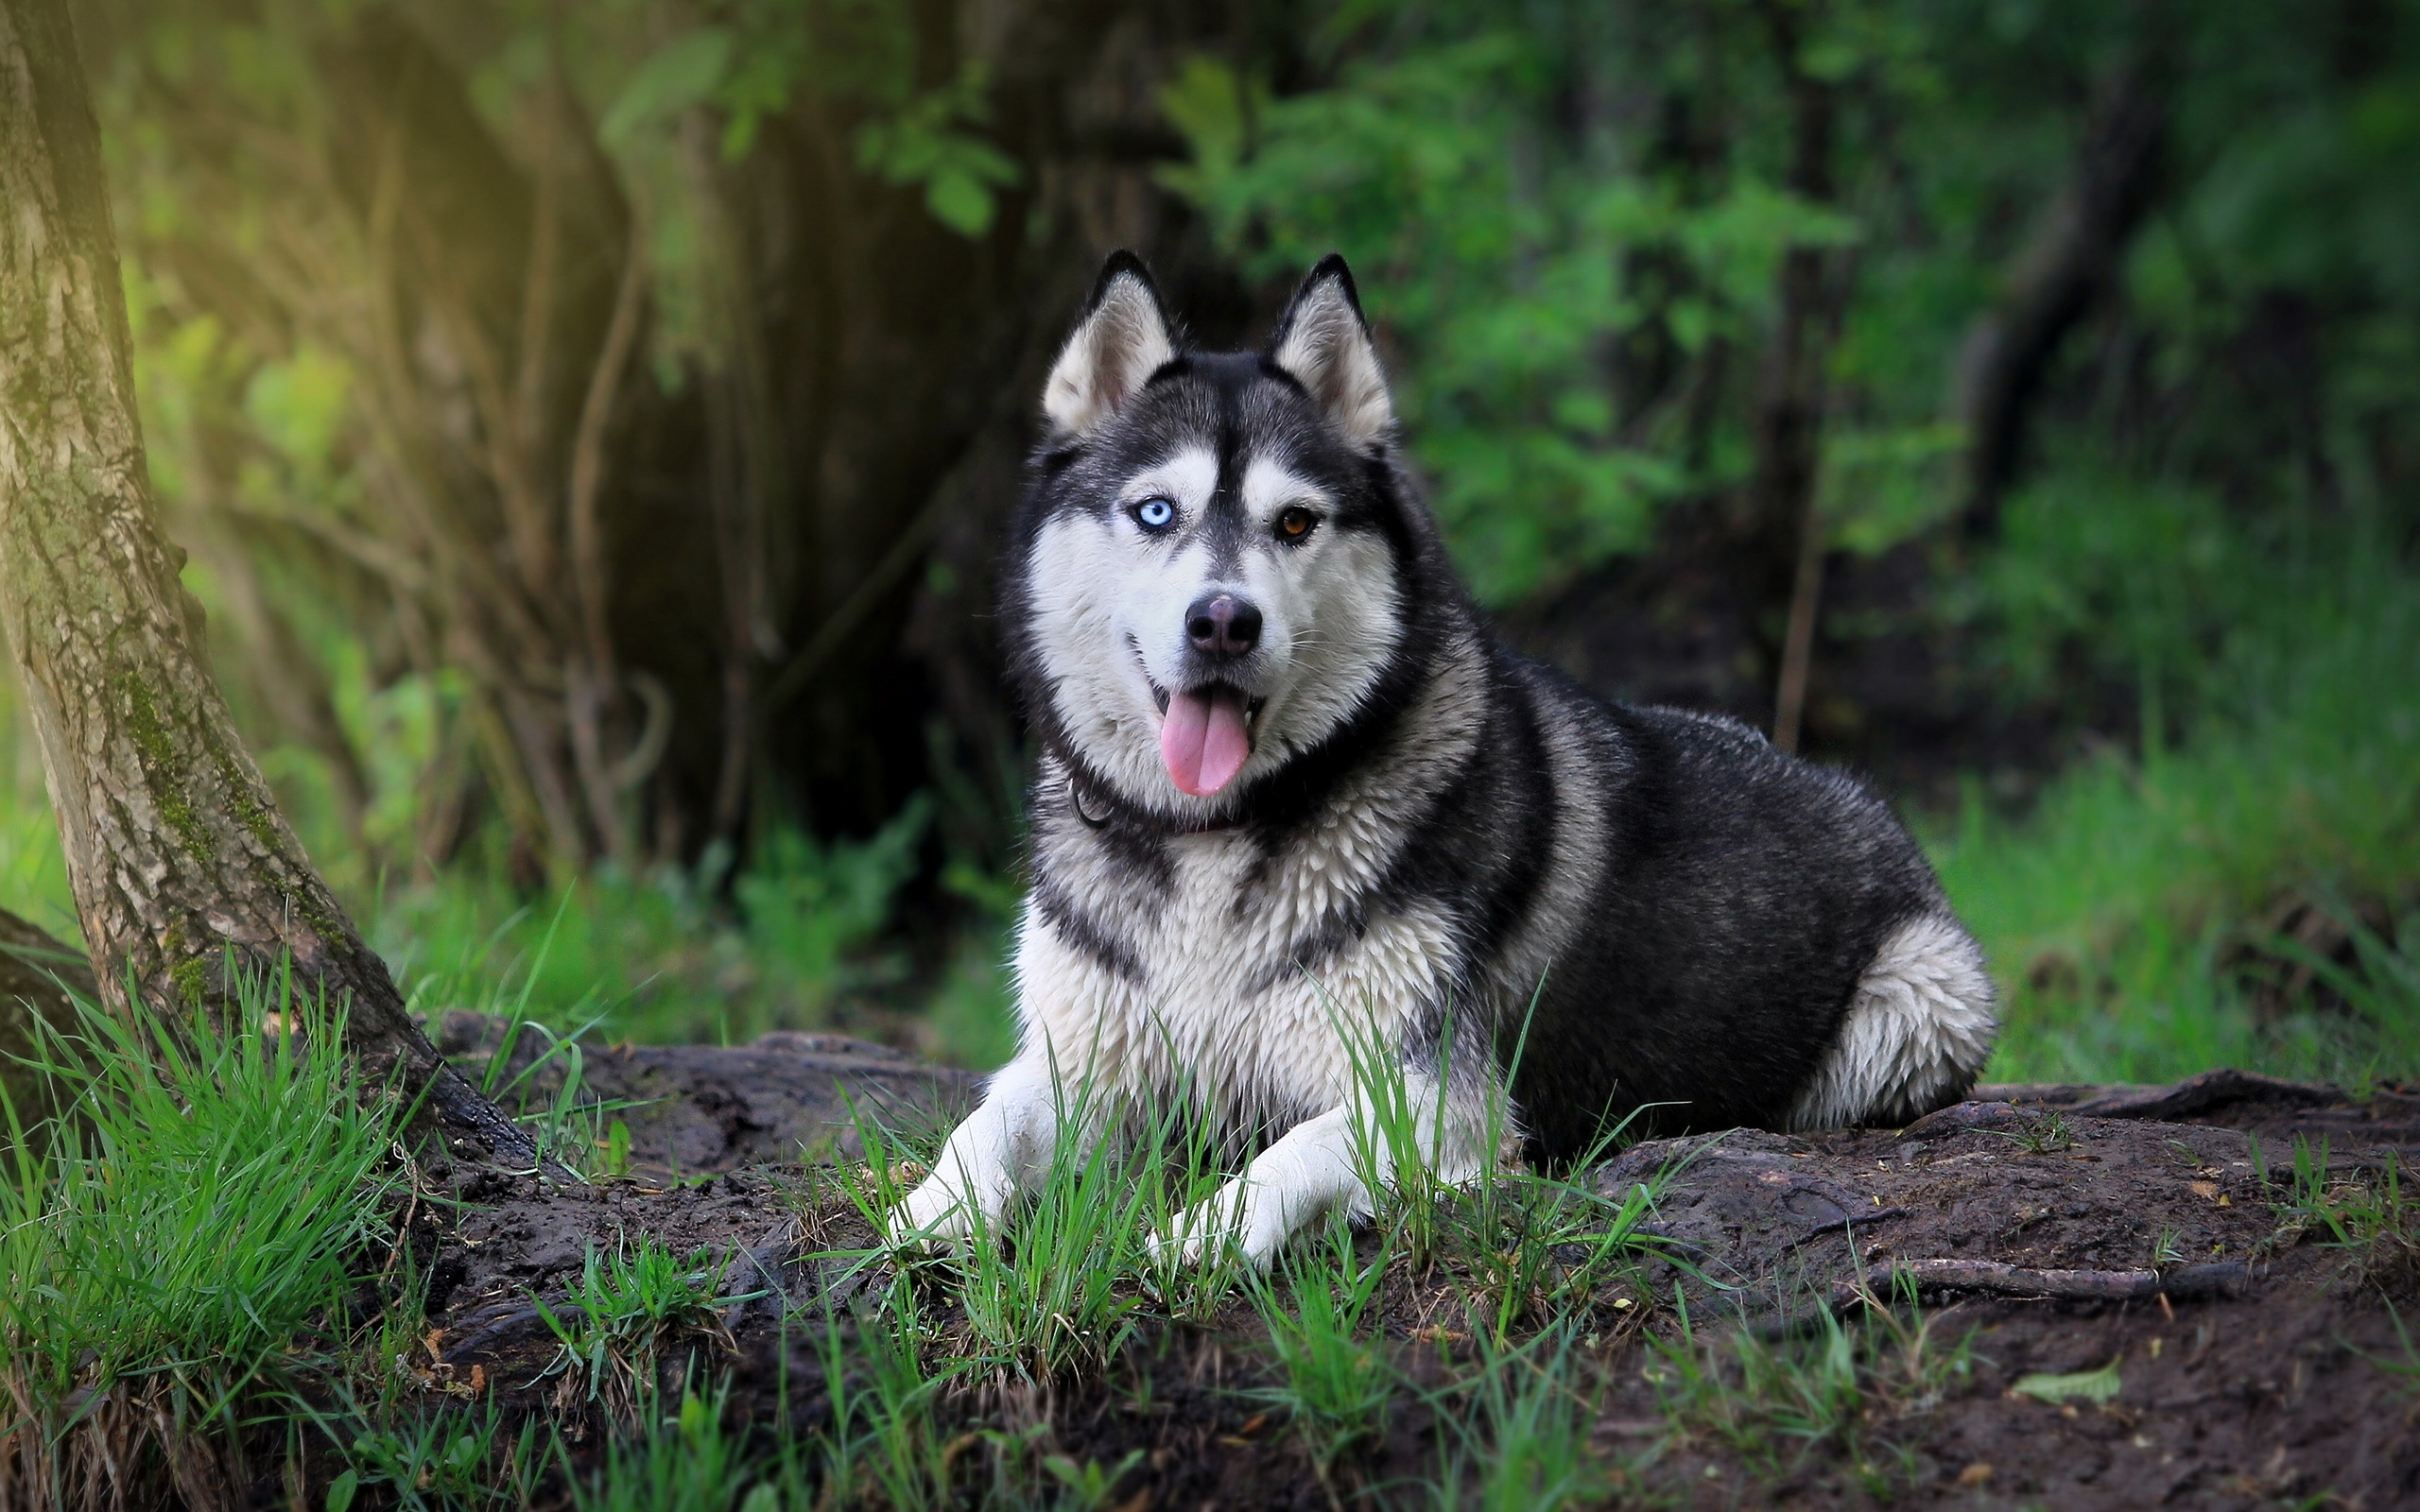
[[2248, 1345]]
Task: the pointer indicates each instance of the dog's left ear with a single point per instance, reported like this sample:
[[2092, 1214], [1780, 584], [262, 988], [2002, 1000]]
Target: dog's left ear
[[1325, 344]]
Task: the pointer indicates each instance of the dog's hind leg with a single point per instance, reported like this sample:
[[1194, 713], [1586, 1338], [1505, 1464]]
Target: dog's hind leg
[[1917, 1032]]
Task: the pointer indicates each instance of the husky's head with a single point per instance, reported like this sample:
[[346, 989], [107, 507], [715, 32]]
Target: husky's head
[[1216, 562]]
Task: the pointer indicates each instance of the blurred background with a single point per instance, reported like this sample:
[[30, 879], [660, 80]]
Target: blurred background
[[593, 427]]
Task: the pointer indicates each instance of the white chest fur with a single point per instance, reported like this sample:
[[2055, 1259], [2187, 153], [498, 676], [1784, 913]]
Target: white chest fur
[[1243, 969]]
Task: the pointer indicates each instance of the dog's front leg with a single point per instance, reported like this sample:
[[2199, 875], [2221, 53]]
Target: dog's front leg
[[1319, 1167], [1303, 1175], [998, 1151]]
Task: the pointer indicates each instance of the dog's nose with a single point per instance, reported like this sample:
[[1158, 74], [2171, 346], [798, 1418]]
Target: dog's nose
[[1222, 625]]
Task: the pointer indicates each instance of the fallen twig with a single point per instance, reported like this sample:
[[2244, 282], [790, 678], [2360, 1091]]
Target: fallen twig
[[2191, 1282]]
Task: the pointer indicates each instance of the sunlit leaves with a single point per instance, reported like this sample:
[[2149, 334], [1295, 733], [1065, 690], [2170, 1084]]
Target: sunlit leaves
[[298, 406]]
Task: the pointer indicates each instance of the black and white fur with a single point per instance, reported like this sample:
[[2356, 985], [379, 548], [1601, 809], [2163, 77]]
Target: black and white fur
[[1427, 827]]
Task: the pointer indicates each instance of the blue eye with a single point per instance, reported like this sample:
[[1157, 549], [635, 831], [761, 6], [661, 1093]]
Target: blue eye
[[1155, 514]]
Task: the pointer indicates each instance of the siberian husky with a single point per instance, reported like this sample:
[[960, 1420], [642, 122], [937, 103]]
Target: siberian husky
[[1293, 795]]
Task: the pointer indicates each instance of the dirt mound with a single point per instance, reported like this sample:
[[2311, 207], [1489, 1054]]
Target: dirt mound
[[696, 1108], [2229, 1312], [2243, 1343]]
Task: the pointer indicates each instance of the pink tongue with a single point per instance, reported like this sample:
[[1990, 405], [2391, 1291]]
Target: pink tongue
[[1203, 740]]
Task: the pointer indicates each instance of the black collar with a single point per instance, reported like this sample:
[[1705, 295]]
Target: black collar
[[1086, 802]]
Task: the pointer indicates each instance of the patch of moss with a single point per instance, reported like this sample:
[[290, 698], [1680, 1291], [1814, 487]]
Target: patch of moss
[[162, 776], [259, 823], [162, 768], [192, 981]]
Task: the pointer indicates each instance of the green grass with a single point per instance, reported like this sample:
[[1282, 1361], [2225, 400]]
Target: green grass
[[665, 958], [1062, 1285], [2121, 912], [1840, 1386], [198, 1216], [1336, 1385], [886, 1440], [1523, 1247], [629, 1309], [1519, 1429], [688, 1461], [435, 1459]]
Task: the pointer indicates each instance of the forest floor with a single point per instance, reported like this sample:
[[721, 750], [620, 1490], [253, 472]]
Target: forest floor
[[2061, 1297]]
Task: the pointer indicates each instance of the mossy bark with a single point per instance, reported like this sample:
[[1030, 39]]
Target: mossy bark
[[175, 850]]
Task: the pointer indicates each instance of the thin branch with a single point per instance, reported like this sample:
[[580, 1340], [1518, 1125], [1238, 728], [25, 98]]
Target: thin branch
[[588, 453], [1798, 640]]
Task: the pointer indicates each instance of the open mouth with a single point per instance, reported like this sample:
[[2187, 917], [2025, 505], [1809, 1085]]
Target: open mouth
[[1205, 734]]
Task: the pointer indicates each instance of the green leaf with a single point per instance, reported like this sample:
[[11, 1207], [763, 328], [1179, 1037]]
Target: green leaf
[[2089, 1385], [959, 202], [684, 73], [1212, 105]]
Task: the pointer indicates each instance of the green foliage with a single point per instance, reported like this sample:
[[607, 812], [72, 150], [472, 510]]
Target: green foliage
[[2096, 1386], [884, 1436], [657, 958], [2357, 1209], [1570, 221], [931, 142], [1501, 291], [1063, 1284], [1092, 1484], [445, 1460], [1842, 1386], [195, 1217], [1526, 1444], [2401, 1369], [768, 56]]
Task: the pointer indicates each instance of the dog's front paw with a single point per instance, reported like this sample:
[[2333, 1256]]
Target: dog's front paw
[[936, 1216], [1239, 1218]]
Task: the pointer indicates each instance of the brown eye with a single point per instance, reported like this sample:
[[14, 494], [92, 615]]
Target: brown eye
[[1296, 523]]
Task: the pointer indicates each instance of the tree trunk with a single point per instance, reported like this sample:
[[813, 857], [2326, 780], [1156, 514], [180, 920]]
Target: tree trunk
[[2069, 263], [176, 851], [1791, 393]]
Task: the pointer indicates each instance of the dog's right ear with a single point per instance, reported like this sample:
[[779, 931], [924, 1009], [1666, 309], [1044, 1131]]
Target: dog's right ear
[[1122, 341]]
